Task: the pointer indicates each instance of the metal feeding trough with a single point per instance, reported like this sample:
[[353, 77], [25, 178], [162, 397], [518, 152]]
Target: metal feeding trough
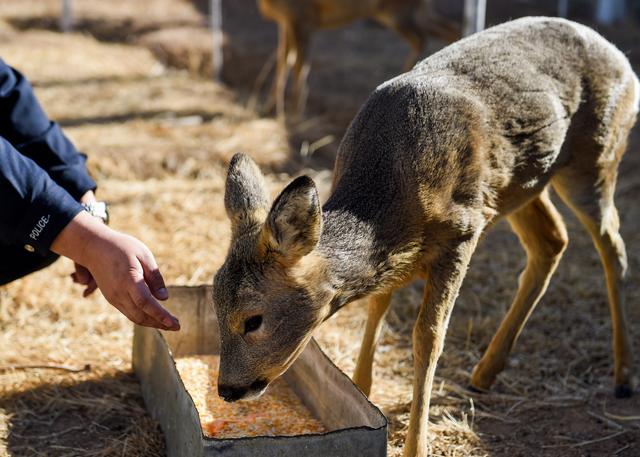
[[355, 426]]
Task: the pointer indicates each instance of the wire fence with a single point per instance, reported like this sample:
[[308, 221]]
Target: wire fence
[[605, 12]]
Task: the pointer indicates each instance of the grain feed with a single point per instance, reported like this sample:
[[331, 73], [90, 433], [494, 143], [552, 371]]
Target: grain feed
[[278, 412]]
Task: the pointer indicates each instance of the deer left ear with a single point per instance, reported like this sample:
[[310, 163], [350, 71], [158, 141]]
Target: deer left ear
[[294, 223], [246, 198]]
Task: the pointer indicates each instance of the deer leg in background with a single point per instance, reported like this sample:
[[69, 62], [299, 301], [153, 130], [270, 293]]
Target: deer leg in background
[[411, 31], [259, 84], [300, 40], [441, 28], [282, 69], [378, 307], [441, 290], [544, 237]]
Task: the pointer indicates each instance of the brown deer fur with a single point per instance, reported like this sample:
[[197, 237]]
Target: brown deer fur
[[414, 20], [476, 132]]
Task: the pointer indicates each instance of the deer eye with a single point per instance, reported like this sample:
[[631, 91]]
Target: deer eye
[[252, 324]]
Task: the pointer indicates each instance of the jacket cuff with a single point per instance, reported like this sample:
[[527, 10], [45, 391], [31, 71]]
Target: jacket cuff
[[48, 214], [75, 180]]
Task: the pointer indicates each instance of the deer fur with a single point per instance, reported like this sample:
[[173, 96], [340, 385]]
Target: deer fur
[[476, 132], [414, 20]]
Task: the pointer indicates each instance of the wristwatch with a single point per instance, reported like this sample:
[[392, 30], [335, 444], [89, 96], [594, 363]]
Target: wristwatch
[[98, 209]]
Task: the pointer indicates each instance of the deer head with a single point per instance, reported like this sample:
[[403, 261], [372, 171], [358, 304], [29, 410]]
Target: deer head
[[273, 289]]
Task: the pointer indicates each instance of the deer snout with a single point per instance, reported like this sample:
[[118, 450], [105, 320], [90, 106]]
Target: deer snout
[[231, 393], [235, 393]]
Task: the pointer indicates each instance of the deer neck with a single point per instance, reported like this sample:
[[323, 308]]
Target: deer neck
[[361, 258]]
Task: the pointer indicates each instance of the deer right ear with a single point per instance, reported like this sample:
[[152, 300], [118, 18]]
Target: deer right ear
[[246, 198], [294, 223]]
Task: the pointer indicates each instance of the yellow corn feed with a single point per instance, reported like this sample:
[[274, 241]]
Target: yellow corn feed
[[278, 412]]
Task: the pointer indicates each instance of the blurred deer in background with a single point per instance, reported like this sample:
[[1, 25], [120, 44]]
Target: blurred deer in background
[[298, 19], [475, 133]]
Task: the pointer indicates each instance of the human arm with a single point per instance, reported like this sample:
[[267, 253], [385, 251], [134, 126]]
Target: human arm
[[33, 208], [26, 126], [123, 268], [41, 216]]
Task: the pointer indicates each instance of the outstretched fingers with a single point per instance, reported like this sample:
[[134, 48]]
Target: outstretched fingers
[[144, 302], [83, 276], [92, 286], [153, 277]]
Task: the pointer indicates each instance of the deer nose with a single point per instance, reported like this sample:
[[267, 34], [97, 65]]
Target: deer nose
[[230, 393]]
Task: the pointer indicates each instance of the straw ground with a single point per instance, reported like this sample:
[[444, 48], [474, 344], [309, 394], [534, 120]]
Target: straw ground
[[158, 141]]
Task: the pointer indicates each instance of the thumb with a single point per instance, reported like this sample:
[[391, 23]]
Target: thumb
[[81, 275], [153, 277]]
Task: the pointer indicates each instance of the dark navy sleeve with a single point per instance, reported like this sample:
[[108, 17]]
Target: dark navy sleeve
[[33, 208], [25, 125]]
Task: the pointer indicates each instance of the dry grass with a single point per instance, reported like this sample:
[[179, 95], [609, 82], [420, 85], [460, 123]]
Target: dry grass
[[158, 141], [113, 20]]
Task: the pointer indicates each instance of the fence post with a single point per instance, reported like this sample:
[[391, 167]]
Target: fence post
[[610, 11], [563, 8], [215, 12], [66, 16], [474, 16]]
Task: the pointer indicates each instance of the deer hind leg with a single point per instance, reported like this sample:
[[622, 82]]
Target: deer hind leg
[[595, 208], [444, 279], [544, 237], [587, 186], [378, 306], [591, 198]]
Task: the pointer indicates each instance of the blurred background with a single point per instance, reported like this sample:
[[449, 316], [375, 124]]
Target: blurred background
[[138, 87]]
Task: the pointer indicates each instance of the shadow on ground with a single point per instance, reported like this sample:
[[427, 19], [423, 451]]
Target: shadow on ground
[[99, 416]]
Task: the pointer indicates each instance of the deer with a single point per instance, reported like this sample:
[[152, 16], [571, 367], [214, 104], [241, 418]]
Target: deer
[[414, 20], [478, 132]]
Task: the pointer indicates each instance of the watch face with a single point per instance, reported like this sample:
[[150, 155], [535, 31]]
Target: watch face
[[98, 209]]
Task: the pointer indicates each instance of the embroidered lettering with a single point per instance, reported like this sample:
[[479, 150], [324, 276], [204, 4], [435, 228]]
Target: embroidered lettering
[[39, 227]]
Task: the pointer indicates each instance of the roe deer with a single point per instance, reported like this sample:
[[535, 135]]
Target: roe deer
[[297, 19], [476, 132]]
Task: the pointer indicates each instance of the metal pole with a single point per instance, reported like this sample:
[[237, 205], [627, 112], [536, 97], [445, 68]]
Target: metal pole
[[610, 11], [474, 16], [563, 8], [215, 10], [66, 17]]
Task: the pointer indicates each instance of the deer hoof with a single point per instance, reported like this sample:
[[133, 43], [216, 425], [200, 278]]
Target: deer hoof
[[623, 391], [475, 390]]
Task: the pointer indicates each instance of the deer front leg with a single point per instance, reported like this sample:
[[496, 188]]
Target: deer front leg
[[378, 306], [544, 236], [444, 278]]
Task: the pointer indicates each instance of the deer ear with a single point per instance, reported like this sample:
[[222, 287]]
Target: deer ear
[[294, 223], [246, 198]]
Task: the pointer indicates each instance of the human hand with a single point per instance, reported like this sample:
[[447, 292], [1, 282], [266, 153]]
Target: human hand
[[122, 267], [83, 276]]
